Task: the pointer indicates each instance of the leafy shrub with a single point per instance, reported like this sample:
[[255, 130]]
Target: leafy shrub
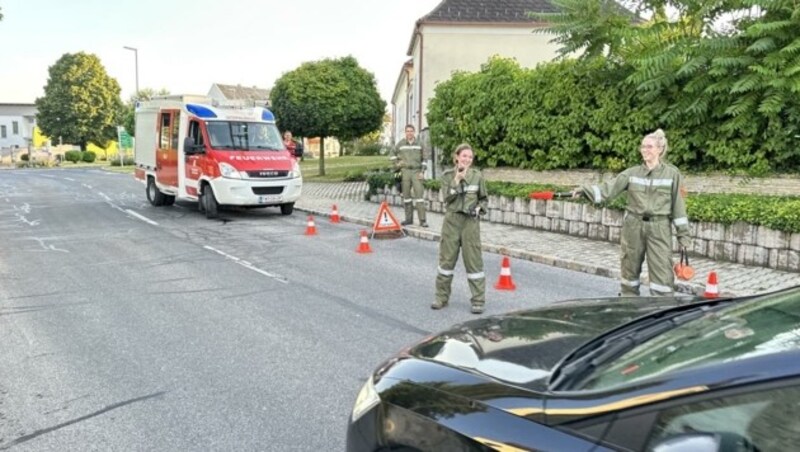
[[89, 156], [127, 161], [73, 156], [24, 157], [588, 114], [369, 149], [378, 180], [355, 176]]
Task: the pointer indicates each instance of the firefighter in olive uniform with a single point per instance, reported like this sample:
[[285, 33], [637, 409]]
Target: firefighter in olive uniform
[[465, 200], [407, 157], [655, 203]]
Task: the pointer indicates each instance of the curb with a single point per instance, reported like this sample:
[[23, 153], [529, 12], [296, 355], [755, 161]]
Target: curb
[[553, 261]]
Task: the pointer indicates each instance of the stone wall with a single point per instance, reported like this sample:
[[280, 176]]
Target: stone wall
[[739, 242], [706, 183]]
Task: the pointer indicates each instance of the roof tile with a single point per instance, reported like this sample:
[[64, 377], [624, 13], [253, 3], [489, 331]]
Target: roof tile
[[487, 11]]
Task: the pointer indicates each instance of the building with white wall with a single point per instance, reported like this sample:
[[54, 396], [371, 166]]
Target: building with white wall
[[461, 35]]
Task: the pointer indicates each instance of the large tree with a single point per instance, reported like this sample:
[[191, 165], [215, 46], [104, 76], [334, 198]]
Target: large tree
[[81, 103], [328, 98]]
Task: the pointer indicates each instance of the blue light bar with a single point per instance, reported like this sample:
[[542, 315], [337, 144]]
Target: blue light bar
[[200, 111], [267, 115]]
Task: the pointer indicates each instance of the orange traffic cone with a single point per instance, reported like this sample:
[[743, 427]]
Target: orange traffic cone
[[363, 246], [311, 229], [712, 291], [335, 214], [505, 282]]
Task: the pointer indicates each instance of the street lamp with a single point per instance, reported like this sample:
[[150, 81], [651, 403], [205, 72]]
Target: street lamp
[[136, 59]]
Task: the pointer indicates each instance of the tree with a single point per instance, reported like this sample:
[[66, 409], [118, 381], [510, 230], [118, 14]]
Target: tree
[[129, 110], [726, 71], [328, 98], [81, 103]]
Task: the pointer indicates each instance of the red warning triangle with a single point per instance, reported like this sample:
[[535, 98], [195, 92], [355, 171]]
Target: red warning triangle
[[386, 220]]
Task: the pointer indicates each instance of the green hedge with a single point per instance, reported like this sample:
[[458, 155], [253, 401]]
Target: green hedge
[[586, 114], [73, 156]]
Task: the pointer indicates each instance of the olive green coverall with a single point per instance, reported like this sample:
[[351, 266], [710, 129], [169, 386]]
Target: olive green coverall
[[461, 231], [407, 157], [654, 204]]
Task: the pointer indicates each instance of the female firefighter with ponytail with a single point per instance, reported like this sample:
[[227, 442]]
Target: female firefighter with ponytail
[[655, 204]]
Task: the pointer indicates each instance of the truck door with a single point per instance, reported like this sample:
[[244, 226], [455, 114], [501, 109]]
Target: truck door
[[167, 154], [194, 161]]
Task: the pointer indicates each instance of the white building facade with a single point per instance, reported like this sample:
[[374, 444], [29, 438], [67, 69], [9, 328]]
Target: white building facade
[[17, 122]]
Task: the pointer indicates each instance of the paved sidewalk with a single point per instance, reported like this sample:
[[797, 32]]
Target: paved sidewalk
[[559, 250]]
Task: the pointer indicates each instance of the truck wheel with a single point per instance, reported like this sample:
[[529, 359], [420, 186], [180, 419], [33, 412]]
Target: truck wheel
[[155, 197], [210, 203], [287, 209]]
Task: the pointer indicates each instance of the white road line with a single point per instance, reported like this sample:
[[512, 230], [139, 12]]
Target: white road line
[[70, 179], [141, 217], [105, 196], [248, 265]]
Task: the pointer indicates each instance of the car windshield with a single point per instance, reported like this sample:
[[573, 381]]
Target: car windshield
[[244, 136], [758, 326]]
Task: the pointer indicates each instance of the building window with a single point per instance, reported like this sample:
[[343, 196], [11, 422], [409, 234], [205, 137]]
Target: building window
[[2, 131], [15, 127]]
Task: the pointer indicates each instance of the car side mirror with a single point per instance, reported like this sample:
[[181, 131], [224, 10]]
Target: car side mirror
[[298, 149]]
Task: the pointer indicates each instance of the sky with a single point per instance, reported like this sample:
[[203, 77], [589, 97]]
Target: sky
[[186, 46]]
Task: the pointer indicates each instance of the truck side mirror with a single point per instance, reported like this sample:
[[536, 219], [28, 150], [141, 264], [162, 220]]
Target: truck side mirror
[[189, 146], [298, 149]]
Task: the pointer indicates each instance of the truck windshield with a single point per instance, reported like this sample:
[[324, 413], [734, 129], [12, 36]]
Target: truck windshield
[[244, 136]]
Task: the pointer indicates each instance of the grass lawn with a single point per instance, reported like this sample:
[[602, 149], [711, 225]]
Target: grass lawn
[[336, 168]]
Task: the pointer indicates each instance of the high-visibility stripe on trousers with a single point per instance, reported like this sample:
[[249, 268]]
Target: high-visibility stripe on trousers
[[651, 240], [413, 195], [460, 233]]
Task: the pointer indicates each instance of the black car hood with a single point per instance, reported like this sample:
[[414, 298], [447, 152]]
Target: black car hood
[[521, 348]]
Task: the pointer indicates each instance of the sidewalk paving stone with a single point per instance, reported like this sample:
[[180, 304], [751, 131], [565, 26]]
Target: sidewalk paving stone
[[549, 248]]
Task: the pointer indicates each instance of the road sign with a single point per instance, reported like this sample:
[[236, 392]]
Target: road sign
[[124, 138]]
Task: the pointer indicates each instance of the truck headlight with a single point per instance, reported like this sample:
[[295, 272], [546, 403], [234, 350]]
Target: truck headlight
[[295, 172], [366, 400], [228, 171]]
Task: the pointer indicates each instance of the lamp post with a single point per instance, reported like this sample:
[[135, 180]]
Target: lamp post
[[136, 59]]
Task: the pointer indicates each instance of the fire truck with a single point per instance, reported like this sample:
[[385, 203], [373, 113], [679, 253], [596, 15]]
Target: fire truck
[[189, 148]]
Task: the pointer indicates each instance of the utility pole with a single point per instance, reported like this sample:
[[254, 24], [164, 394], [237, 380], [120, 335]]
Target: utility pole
[[136, 61]]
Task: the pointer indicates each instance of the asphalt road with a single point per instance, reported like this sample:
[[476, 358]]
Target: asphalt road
[[129, 327]]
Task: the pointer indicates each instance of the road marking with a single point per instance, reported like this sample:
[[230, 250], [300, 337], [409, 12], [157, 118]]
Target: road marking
[[248, 265], [26, 221], [141, 217], [70, 179], [48, 247]]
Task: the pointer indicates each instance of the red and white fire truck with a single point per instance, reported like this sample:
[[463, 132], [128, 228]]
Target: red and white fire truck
[[188, 148]]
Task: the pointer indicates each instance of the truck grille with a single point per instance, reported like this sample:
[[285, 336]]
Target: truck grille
[[267, 190], [267, 174]]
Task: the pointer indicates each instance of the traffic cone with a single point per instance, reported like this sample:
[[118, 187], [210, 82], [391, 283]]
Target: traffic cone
[[712, 291], [335, 215], [505, 282], [363, 246], [311, 229]]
